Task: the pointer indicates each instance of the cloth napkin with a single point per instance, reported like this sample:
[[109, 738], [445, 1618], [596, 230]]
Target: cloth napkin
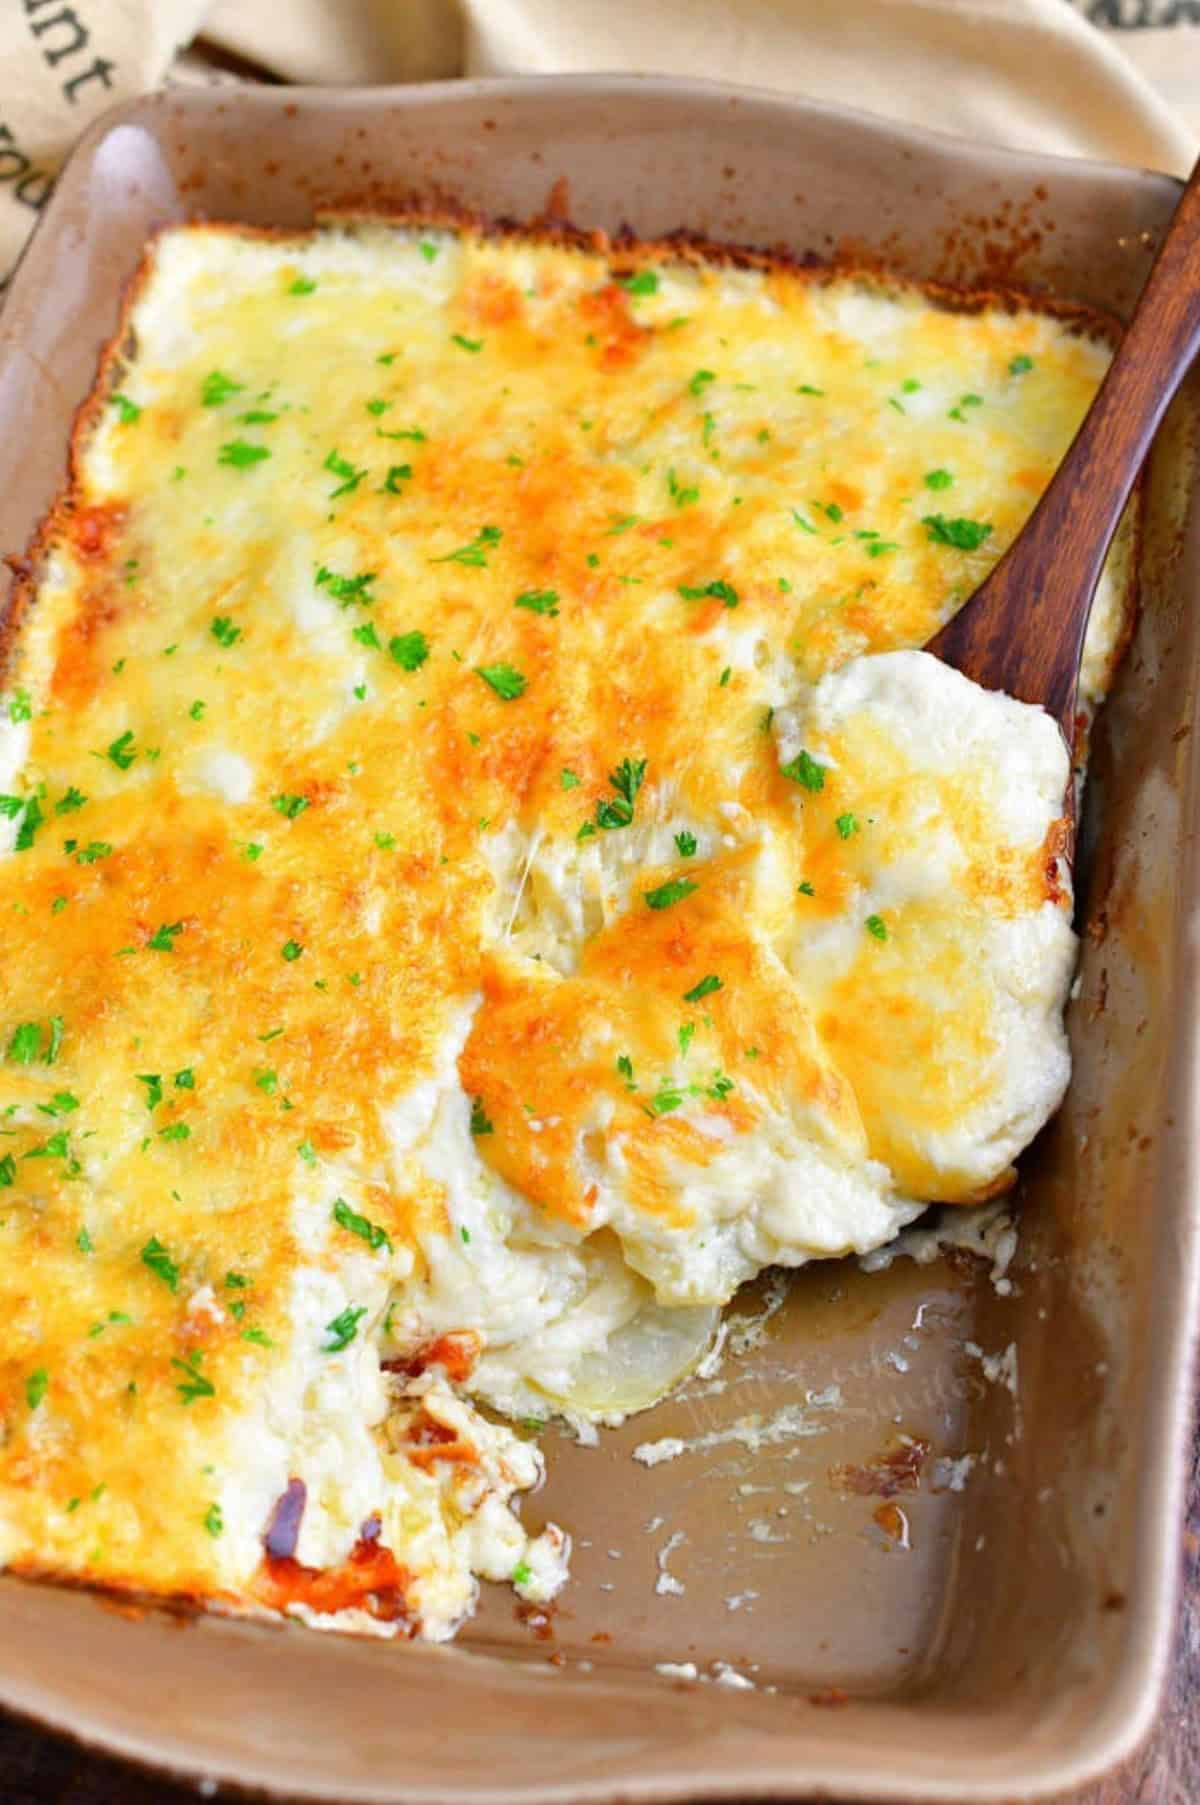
[[1037, 74]]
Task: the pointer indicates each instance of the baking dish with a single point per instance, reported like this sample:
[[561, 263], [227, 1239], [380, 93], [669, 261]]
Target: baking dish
[[1017, 1644]]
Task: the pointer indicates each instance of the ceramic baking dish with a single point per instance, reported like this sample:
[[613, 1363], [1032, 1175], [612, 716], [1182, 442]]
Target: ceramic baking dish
[[1016, 1646]]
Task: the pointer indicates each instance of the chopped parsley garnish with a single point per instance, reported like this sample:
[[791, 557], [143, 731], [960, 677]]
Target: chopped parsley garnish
[[156, 1257], [346, 589], [120, 752], [397, 474], [412, 432], [1020, 364], [700, 381], [805, 889], [8, 1170], [409, 650], [154, 1088], [24, 1043], [175, 1131], [704, 988], [466, 344], [193, 1384], [224, 631], [964, 535], [622, 523], [567, 780], [164, 936], [342, 1330], [185, 1080], [686, 1035], [806, 388], [538, 601], [196, 711], [367, 636], [522, 1573], [214, 1522], [291, 951], [877, 926], [507, 682], [684, 495], [95, 849], [685, 844], [641, 282], [11, 806], [56, 1040], [303, 285], [68, 803], [367, 1231], [237, 1281], [350, 477], [240, 454], [84, 1242], [307, 1152], [29, 826], [720, 1087], [218, 387], [625, 1067], [480, 1124], [385, 842], [938, 479], [846, 825], [289, 806], [20, 708], [667, 894], [259, 1337], [626, 780], [127, 411], [804, 770], [475, 553], [719, 591], [378, 407], [36, 1387], [257, 416], [667, 1097], [428, 249]]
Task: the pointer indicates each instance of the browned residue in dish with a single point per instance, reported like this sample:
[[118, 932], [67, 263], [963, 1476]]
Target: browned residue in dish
[[893, 1521], [536, 1617], [897, 1469]]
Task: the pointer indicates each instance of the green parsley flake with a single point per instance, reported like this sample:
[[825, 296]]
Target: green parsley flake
[[640, 282], [522, 1573], [877, 926], [700, 381], [567, 780], [120, 751], [397, 474], [719, 591], [704, 988], [24, 1043], [507, 682], [185, 1080], [36, 1387], [342, 1330], [217, 387], [214, 1522], [538, 601], [409, 650], [685, 843], [684, 495], [480, 1123], [20, 708], [350, 477], [194, 1385], [291, 951], [475, 553], [805, 771], [466, 344], [846, 825], [8, 1171], [289, 806], [346, 589], [154, 1088], [1019, 365], [164, 936], [367, 1231], [127, 411], [805, 889], [303, 285], [175, 1131], [666, 894], [155, 1256], [224, 631], [964, 535], [240, 454], [938, 479]]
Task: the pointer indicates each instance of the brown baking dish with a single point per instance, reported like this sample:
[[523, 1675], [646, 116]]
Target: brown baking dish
[[1016, 1645]]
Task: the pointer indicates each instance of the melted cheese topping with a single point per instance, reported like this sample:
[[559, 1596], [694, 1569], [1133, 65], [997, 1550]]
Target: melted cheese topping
[[424, 920]]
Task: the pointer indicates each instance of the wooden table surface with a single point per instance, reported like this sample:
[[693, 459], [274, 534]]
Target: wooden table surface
[[39, 1769]]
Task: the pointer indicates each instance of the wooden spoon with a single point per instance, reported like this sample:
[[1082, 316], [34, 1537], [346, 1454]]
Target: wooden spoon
[[1023, 629]]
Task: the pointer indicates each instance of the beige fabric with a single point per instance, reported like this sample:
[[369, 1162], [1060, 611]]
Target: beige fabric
[[1031, 73]]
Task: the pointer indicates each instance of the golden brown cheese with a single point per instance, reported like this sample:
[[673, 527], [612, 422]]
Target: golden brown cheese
[[383, 543]]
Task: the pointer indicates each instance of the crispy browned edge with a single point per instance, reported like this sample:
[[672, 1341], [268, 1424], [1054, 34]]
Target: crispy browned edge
[[624, 251]]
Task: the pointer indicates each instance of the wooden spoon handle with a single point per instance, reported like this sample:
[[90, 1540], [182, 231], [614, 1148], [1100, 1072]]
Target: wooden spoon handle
[[1022, 630]]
